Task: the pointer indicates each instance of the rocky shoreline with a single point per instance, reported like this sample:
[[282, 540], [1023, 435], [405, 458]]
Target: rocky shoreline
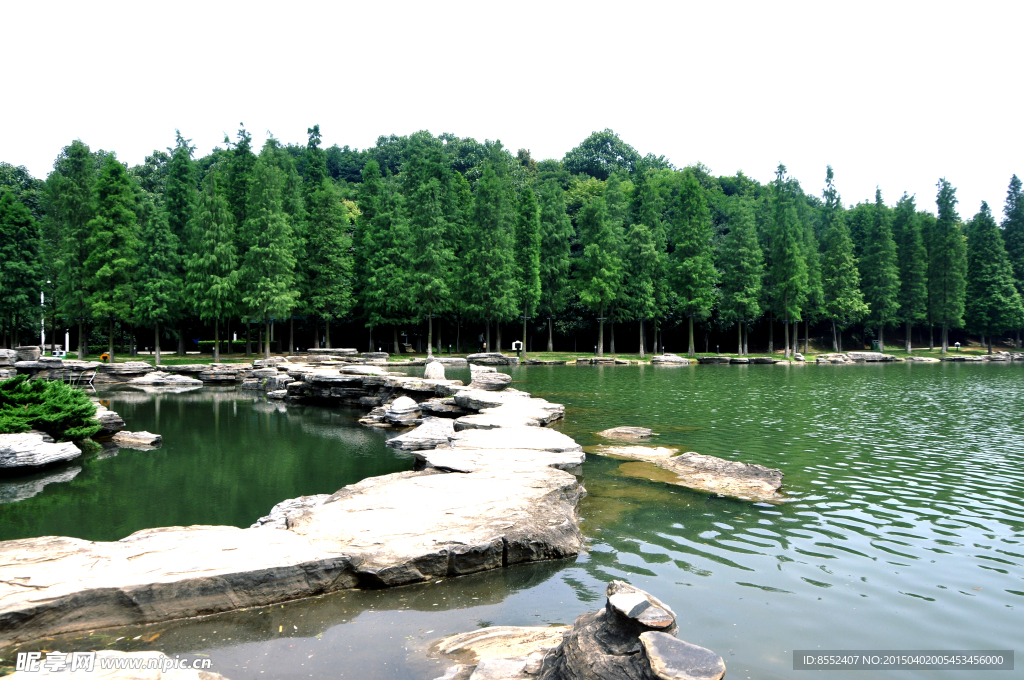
[[496, 496]]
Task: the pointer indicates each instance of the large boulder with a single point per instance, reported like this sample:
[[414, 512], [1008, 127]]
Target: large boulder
[[492, 359], [8, 357], [402, 411], [110, 420], [161, 379], [32, 449], [28, 353], [137, 440], [492, 382], [434, 371], [669, 360]]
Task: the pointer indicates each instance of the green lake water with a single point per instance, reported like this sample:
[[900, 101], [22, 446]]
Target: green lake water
[[903, 526]]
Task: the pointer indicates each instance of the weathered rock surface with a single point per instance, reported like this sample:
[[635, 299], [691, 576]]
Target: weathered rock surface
[[626, 432], [713, 360], [434, 371], [497, 642], [760, 360], [706, 473], [8, 357], [140, 440], [28, 353], [152, 665], [472, 460], [492, 382], [962, 358], [669, 360], [492, 359], [431, 433], [631, 638], [160, 379], [543, 362], [739, 360], [110, 421], [402, 411], [922, 360], [33, 449], [871, 357], [539, 438]]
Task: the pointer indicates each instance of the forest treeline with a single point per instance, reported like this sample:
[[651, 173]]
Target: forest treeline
[[426, 227]]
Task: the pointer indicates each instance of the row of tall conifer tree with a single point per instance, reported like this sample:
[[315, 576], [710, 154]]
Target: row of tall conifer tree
[[424, 227]]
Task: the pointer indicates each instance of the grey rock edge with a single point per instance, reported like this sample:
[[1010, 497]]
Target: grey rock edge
[[631, 638], [510, 508], [34, 449]]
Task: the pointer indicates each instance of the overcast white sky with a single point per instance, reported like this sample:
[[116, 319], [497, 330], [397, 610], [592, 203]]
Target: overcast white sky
[[894, 94]]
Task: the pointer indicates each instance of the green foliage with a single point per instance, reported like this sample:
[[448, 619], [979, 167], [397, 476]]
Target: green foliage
[[993, 302], [69, 190], [641, 262], [489, 289], [788, 259], [180, 194], [599, 272], [840, 278], [268, 268], [1013, 230], [742, 264], [211, 270], [382, 250], [527, 252], [328, 254], [239, 177], [913, 262], [160, 272], [62, 411], [947, 266], [19, 256], [555, 238], [880, 268]]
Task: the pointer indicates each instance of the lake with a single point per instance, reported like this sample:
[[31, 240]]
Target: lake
[[903, 526]]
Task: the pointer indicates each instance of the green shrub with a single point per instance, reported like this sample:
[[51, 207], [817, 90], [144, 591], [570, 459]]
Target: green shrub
[[62, 411]]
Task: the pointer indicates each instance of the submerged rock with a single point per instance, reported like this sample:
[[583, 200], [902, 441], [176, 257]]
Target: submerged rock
[[626, 432], [33, 449], [141, 440]]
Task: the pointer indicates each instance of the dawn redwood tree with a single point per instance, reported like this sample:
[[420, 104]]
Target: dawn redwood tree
[[267, 273], [640, 260], [913, 265], [112, 262], [618, 207], [430, 258], [788, 259], [69, 190], [554, 266], [880, 269], [527, 251], [19, 259], [947, 269], [840, 277], [1013, 235], [742, 263], [211, 270], [599, 270], [382, 246], [160, 271], [692, 263], [993, 302]]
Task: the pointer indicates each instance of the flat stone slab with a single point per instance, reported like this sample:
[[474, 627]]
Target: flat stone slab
[[626, 433], [496, 642], [492, 359], [648, 453], [160, 378], [143, 440], [494, 382], [32, 449], [871, 356], [539, 438], [472, 460], [673, 659], [432, 433], [384, 531], [922, 360], [669, 360], [498, 418]]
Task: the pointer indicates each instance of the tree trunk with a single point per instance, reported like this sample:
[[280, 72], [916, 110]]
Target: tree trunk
[[316, 331], [909, 347], [840, 342], [524, 332], [945, 337], [551, 337], [785, 336], [990, 343], [835, 338], [439, 339], [248, 337], [369, 348], [156, 344], [739, 339], [611, 328], [746, 338], [266, 346], [291, 333], [807, 336], [600, 333], [881, 337], [642, 342], [430, 336], [327, 332], [691, 351], [931, 337], [216, 340], [110, 340], [796, 337], [395, 330], [654, 349], [487, 335], [771, 334], [81, 344]]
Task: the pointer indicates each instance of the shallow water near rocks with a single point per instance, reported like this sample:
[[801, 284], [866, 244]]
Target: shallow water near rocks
[[903, 526]]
